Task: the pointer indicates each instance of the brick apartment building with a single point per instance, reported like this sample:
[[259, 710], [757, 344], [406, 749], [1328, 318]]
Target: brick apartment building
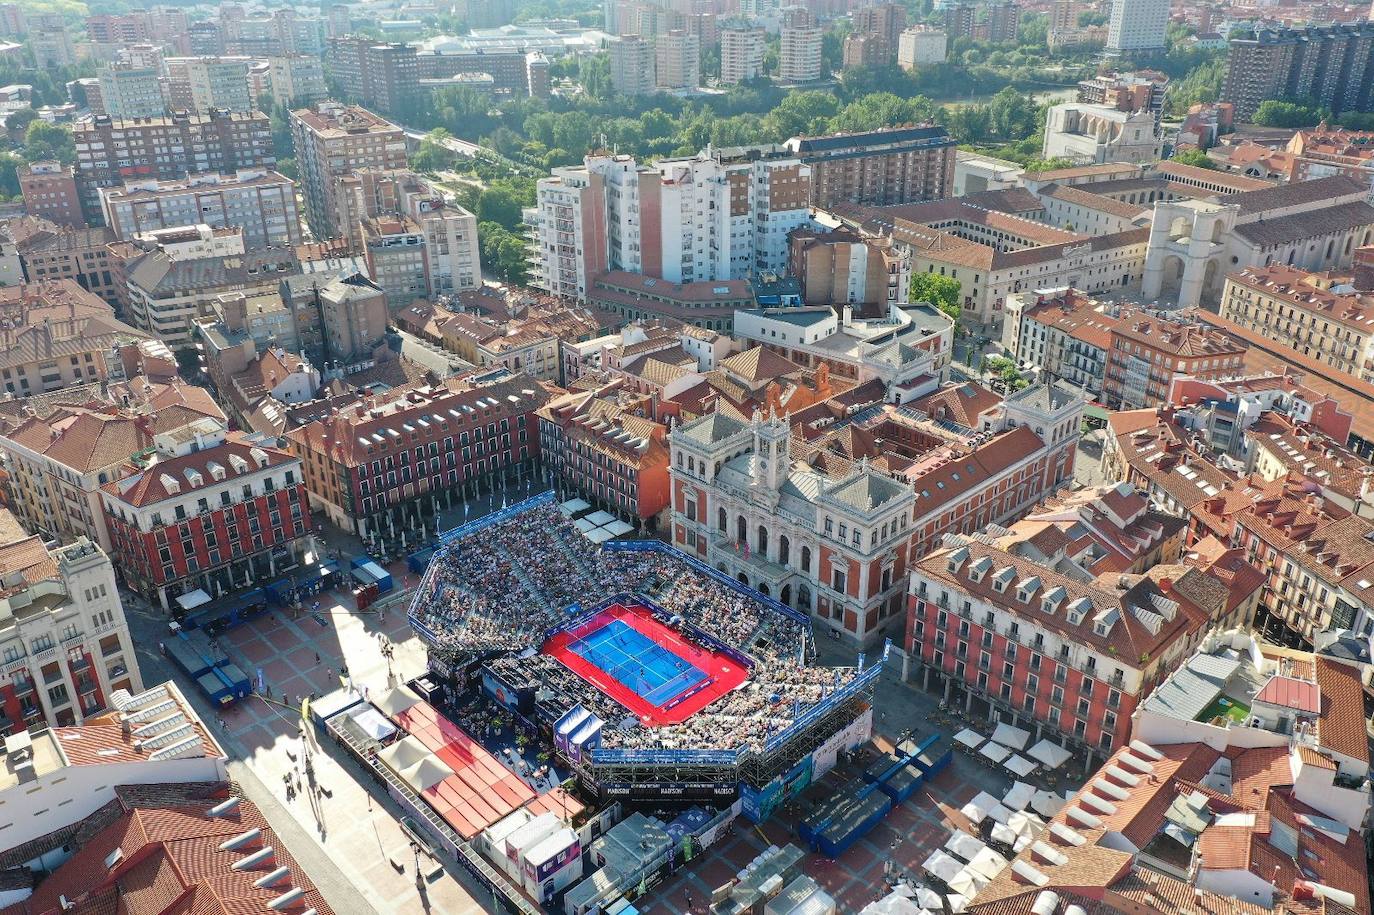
[[1147, 352], [50, 192], [208, 509], [880, 167], [381, 75], [111, 152], [1069, 655], [400, 452], [602, 451], [332, 140]]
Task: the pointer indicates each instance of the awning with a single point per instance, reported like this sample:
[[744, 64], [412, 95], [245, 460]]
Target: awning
[[598, 518], [1018, 796], [988, 864], [1019, 765], [584, 525], [193, 599], [995, 751], [403, 754], [394, 701], [619, 528], [1050, 753], [1046, 803], [374, 725], [977, 809], [1000, 813], [1025, 824], [967, 883], [573, 506], [969, 738], [964, 845], [942, 865], [1009, 736], [1001, 832], [599, 535]]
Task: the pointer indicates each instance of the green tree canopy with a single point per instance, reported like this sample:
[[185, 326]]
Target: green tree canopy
[[944, 292]]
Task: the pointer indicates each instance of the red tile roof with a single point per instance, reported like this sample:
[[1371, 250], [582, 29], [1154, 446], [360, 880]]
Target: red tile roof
[[1287, 692]]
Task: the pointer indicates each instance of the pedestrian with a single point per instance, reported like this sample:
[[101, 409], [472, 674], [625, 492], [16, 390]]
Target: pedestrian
[[162, 647], [317, 659]]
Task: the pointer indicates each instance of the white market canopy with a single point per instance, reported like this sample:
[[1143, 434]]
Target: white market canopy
[[927, 898], [1050, 753], [977, 809], [1025, 824], [193, 599], [573, 506], [964, 845], [617, 528], [987, 864], [1046, 803], [942, 865], [1003, 833], [969, 738], [1000, 813], [1019, 765], [599, 535], [1009, 736], [1018, 796], [967, 882], [584, 525], [599, 518], [995, 751], [394, 701]]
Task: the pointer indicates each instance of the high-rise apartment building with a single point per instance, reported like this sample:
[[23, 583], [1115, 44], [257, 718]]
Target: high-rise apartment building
[[1330, 65], [384, 76], [131, 91], [332, 140], [204, 84], [296, 80], [741, 52], [880, 167], [632, 65], [52, 47], [959, 20], [799, 55], [677, 60], [1004, 21], [261, 202], [884, 21], [450, 231], [713, 216], [1137, 26], [921, 46], [110, 151]]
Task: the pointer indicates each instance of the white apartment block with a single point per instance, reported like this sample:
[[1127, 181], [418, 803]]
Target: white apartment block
[[800, 55], [920, 46], [131, 92], [720, 215], [296, 81], [677, 60], [262, 202], [455, 262], [64, 643], [1137, 25], [632, 65], [741, 53], [206, 83]]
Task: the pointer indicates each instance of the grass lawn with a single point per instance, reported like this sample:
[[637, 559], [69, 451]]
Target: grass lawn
[[1225, 706]]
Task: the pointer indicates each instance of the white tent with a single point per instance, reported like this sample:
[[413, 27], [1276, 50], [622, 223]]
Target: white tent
[[999, 813], [964, 845], [372, 722], [1018, 796], [599, 535], [598, 518], [1049, 753], [988, 863], [928, 898], [893, 904], [404, 754], [969, 738], [1046, 803], [941, 865], [193, 599], [584, 525], [394, 701], [1009, 736], [967, 883], [1019, 765], [573, 506], [977, 809], [1003, 833], [958, 903], [995, 751], [426, 773], [1025, 824], [617, 528]]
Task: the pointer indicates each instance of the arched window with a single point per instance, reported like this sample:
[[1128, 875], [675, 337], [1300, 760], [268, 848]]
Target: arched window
[[741, 530], [722, 521], [762, 545], [806, 559], [784, 550]]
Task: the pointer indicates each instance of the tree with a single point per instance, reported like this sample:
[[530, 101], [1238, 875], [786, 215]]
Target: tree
[[49, 141], [9, 174], [18, 122], [503, 252], [943, 292], [502, 200], [433, 155], [1006, 370], [1194, 157], [1011, 115], [1274, 113]]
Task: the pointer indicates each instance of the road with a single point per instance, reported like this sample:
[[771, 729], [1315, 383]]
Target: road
[[461, 147]]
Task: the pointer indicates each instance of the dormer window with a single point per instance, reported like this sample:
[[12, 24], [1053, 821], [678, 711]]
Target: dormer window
[[979, 569], [1003, 579], [957, 559]]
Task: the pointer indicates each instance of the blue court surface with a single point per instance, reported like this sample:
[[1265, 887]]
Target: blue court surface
[[651, 671]]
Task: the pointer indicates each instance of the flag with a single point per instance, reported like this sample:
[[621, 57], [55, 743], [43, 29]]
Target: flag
[[305, 708]]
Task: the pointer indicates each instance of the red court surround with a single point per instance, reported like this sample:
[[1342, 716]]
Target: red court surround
[[723, 672]]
